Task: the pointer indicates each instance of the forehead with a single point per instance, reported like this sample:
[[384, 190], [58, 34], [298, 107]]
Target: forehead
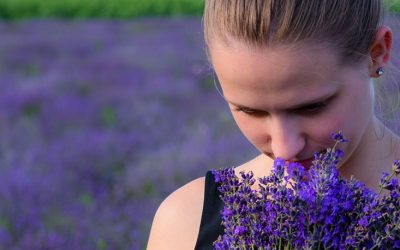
[[275, 75]]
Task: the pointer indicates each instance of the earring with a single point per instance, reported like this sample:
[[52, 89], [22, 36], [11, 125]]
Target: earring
[[380, 71]]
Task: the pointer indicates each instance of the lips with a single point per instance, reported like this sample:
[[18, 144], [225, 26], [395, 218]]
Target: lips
[[306, 163]]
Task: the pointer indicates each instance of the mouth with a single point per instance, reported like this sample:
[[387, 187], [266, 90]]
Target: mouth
[[307, 162]]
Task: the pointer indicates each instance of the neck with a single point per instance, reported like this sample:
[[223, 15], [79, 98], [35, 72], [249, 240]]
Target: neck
[[374, 155]]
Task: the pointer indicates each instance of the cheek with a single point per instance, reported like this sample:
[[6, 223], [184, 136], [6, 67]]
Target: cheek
[[355, 114], [252, 129], [351, 116], [318, 131]]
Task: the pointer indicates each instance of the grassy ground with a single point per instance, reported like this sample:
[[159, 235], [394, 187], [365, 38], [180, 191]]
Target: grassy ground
[[78, 9]]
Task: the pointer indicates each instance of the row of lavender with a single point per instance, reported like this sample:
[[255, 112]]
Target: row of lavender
[[99, 121]]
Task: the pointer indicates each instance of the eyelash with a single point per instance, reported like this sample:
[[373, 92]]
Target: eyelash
[[318, 107], [310, 110]]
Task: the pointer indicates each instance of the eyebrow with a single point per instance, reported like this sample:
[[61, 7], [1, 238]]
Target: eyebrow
[[326, 98]]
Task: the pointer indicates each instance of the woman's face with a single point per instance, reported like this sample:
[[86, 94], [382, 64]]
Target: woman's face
[[287, 101]]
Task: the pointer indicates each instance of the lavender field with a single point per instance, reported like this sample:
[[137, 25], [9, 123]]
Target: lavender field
[[99, 122]]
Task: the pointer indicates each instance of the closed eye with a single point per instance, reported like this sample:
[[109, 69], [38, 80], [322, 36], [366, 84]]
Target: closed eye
[[311, 109], [248, 111]]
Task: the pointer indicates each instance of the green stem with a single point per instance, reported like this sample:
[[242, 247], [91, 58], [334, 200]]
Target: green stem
[[381, 187], [289, 246]]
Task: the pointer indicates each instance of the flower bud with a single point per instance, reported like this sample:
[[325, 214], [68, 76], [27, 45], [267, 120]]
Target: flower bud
[[396, 167], [338, 137]]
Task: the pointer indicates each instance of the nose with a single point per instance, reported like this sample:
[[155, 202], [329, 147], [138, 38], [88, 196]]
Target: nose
[[287, 140]]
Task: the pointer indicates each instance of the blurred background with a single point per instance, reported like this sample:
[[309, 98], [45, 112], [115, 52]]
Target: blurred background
[[106, 107]]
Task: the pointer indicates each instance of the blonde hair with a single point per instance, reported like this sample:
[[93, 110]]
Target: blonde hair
[[347, 25]]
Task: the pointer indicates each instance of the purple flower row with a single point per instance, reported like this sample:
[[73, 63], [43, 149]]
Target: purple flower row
[[99, 121]]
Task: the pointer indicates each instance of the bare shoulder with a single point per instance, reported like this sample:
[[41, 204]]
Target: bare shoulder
[[177, 220]]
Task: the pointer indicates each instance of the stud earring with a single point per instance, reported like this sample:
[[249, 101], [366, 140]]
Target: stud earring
[[380, 71]]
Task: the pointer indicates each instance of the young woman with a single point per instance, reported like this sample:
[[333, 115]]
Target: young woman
[[292, 72]]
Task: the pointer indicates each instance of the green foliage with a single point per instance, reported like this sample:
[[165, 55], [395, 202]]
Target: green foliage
[[392, 5], [396, 7], [109, 116], [110, 9], [5, 224], [80, 9], [86, 199], [101, 244], [31, 110]]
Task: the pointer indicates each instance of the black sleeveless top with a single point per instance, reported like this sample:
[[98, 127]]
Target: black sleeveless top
[[210, 225]]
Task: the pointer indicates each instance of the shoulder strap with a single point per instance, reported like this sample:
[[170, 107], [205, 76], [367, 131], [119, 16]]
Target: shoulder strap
[[210, 225]]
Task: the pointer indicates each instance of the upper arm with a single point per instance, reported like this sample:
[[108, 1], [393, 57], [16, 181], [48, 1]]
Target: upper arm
[[177, 220]]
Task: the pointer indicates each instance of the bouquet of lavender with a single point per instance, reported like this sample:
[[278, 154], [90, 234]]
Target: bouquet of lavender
[[314, 209]]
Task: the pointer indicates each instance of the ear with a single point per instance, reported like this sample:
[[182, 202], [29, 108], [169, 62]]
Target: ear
[[380, 50]]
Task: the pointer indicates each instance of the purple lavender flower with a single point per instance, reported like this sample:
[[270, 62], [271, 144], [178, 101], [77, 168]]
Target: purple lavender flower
[[338, 137], [396, 167], [315, 209]]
